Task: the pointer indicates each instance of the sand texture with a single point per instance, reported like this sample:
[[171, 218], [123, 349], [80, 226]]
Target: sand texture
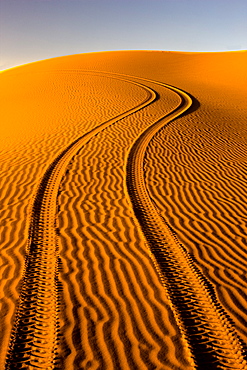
[[123, 212]]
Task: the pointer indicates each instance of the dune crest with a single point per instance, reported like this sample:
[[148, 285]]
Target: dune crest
[[104, 263]]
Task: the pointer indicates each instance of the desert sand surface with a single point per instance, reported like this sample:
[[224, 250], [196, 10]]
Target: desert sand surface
[[123, 212]]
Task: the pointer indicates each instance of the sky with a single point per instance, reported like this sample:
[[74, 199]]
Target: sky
[[32, 30]]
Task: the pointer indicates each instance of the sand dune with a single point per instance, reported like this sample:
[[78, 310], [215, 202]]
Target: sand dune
[[123, 222]]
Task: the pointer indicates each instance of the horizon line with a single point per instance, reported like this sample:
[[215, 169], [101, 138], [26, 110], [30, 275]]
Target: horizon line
[[123, 50]]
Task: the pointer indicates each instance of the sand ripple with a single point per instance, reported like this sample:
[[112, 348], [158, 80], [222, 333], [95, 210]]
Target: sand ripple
[[121, 246]]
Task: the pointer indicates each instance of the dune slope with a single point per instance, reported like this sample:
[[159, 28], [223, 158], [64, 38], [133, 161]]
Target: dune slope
[[123, 240]]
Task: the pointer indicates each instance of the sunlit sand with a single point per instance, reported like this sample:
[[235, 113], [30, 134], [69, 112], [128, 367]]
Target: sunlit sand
[[123, 212]]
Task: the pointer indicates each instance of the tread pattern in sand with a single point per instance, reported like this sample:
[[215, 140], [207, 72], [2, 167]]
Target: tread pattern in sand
[[39, 283], [209, 330]]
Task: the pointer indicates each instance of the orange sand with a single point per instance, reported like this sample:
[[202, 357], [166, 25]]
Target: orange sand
[[123, 212]]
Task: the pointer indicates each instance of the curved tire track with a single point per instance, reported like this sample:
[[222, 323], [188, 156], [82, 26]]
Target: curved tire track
[[33, 343], [34, 337], [206, 326]]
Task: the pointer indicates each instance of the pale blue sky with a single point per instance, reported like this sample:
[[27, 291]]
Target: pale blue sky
[[39, 29]]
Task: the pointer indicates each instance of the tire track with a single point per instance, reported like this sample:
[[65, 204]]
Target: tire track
[[206, 326], [61, 109], [34, 338]]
